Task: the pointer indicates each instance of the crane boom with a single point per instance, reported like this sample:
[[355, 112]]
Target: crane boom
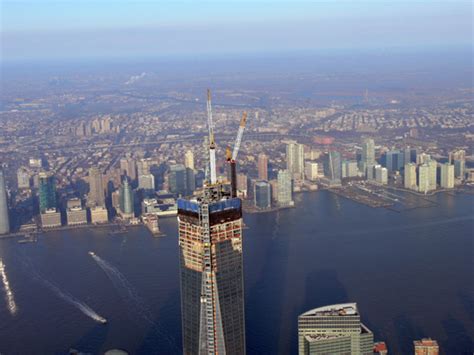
[[240, 133], [212, 144], [210, 123]]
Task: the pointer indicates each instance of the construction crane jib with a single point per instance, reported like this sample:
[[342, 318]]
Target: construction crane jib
[[240, 133], [212, 144]]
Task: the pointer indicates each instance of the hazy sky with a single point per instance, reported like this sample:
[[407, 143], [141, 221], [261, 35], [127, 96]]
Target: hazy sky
[[32, 29]]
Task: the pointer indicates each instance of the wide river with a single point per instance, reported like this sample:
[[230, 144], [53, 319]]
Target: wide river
[[411, 274]]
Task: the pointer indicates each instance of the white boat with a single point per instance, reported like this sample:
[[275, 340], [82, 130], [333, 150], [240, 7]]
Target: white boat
[[91, 253]]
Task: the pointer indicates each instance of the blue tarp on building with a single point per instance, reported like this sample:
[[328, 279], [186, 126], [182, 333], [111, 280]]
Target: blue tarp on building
[[233, 203]]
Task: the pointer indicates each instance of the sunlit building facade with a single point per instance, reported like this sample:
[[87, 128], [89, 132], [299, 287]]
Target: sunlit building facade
[[4, 220], [212, 291], [334, 329]]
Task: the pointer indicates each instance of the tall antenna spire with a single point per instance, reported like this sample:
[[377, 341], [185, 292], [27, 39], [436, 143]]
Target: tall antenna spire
[[212, 144]]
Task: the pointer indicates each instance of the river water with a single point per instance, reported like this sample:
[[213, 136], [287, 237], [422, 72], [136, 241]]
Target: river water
[[411, 274]]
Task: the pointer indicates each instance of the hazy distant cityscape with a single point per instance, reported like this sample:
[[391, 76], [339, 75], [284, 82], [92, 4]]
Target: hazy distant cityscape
[[361, 150]]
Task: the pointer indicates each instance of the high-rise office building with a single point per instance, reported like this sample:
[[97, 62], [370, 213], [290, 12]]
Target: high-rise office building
[[210, 241], [333, 168], [50, 218], [447, 176], [143, 166], [410, 176], [423, 183], [370, 172], [126, 199], [99, 215], [426, 176], [274, 190], [423, 158], [262, 195], [368, 152], [211, 269], [426, 346], [284, 190], [295, 159], [262, 167], [23, 178], [381, 175], [432, 175], [75, 214], [178, 180], [190, 181], [146, 182], [4, 218], [242, 184], [394, 160], [314, 154], [189, 159], [349, 169], [47, 192], [458, 158], [410, 155], [334, 329], [128, 167], [459, 169], [311, 170], [96, 195]]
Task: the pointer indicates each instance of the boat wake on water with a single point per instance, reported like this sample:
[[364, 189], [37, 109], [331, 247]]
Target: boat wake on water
[[128, 293], [80, 305], [65, 296]]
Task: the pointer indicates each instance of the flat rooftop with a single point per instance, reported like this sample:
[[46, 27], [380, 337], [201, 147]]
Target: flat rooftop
[[343, 309]]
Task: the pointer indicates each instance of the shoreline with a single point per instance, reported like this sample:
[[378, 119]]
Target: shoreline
[[249, 210]]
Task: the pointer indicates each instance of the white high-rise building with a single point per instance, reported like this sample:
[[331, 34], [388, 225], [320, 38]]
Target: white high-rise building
[[370, 172], [284, 190], [295, 159], [143, 166], [189, 159], [424, 184], [311, 170], [242, 185], [381, 175], [423, 158], [146, 182], [23, 178], [349, 168], [447, 176], [368, 152], [432, 165], [410, 176]]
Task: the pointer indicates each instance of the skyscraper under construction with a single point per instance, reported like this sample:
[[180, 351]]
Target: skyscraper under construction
[[212, 293]]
